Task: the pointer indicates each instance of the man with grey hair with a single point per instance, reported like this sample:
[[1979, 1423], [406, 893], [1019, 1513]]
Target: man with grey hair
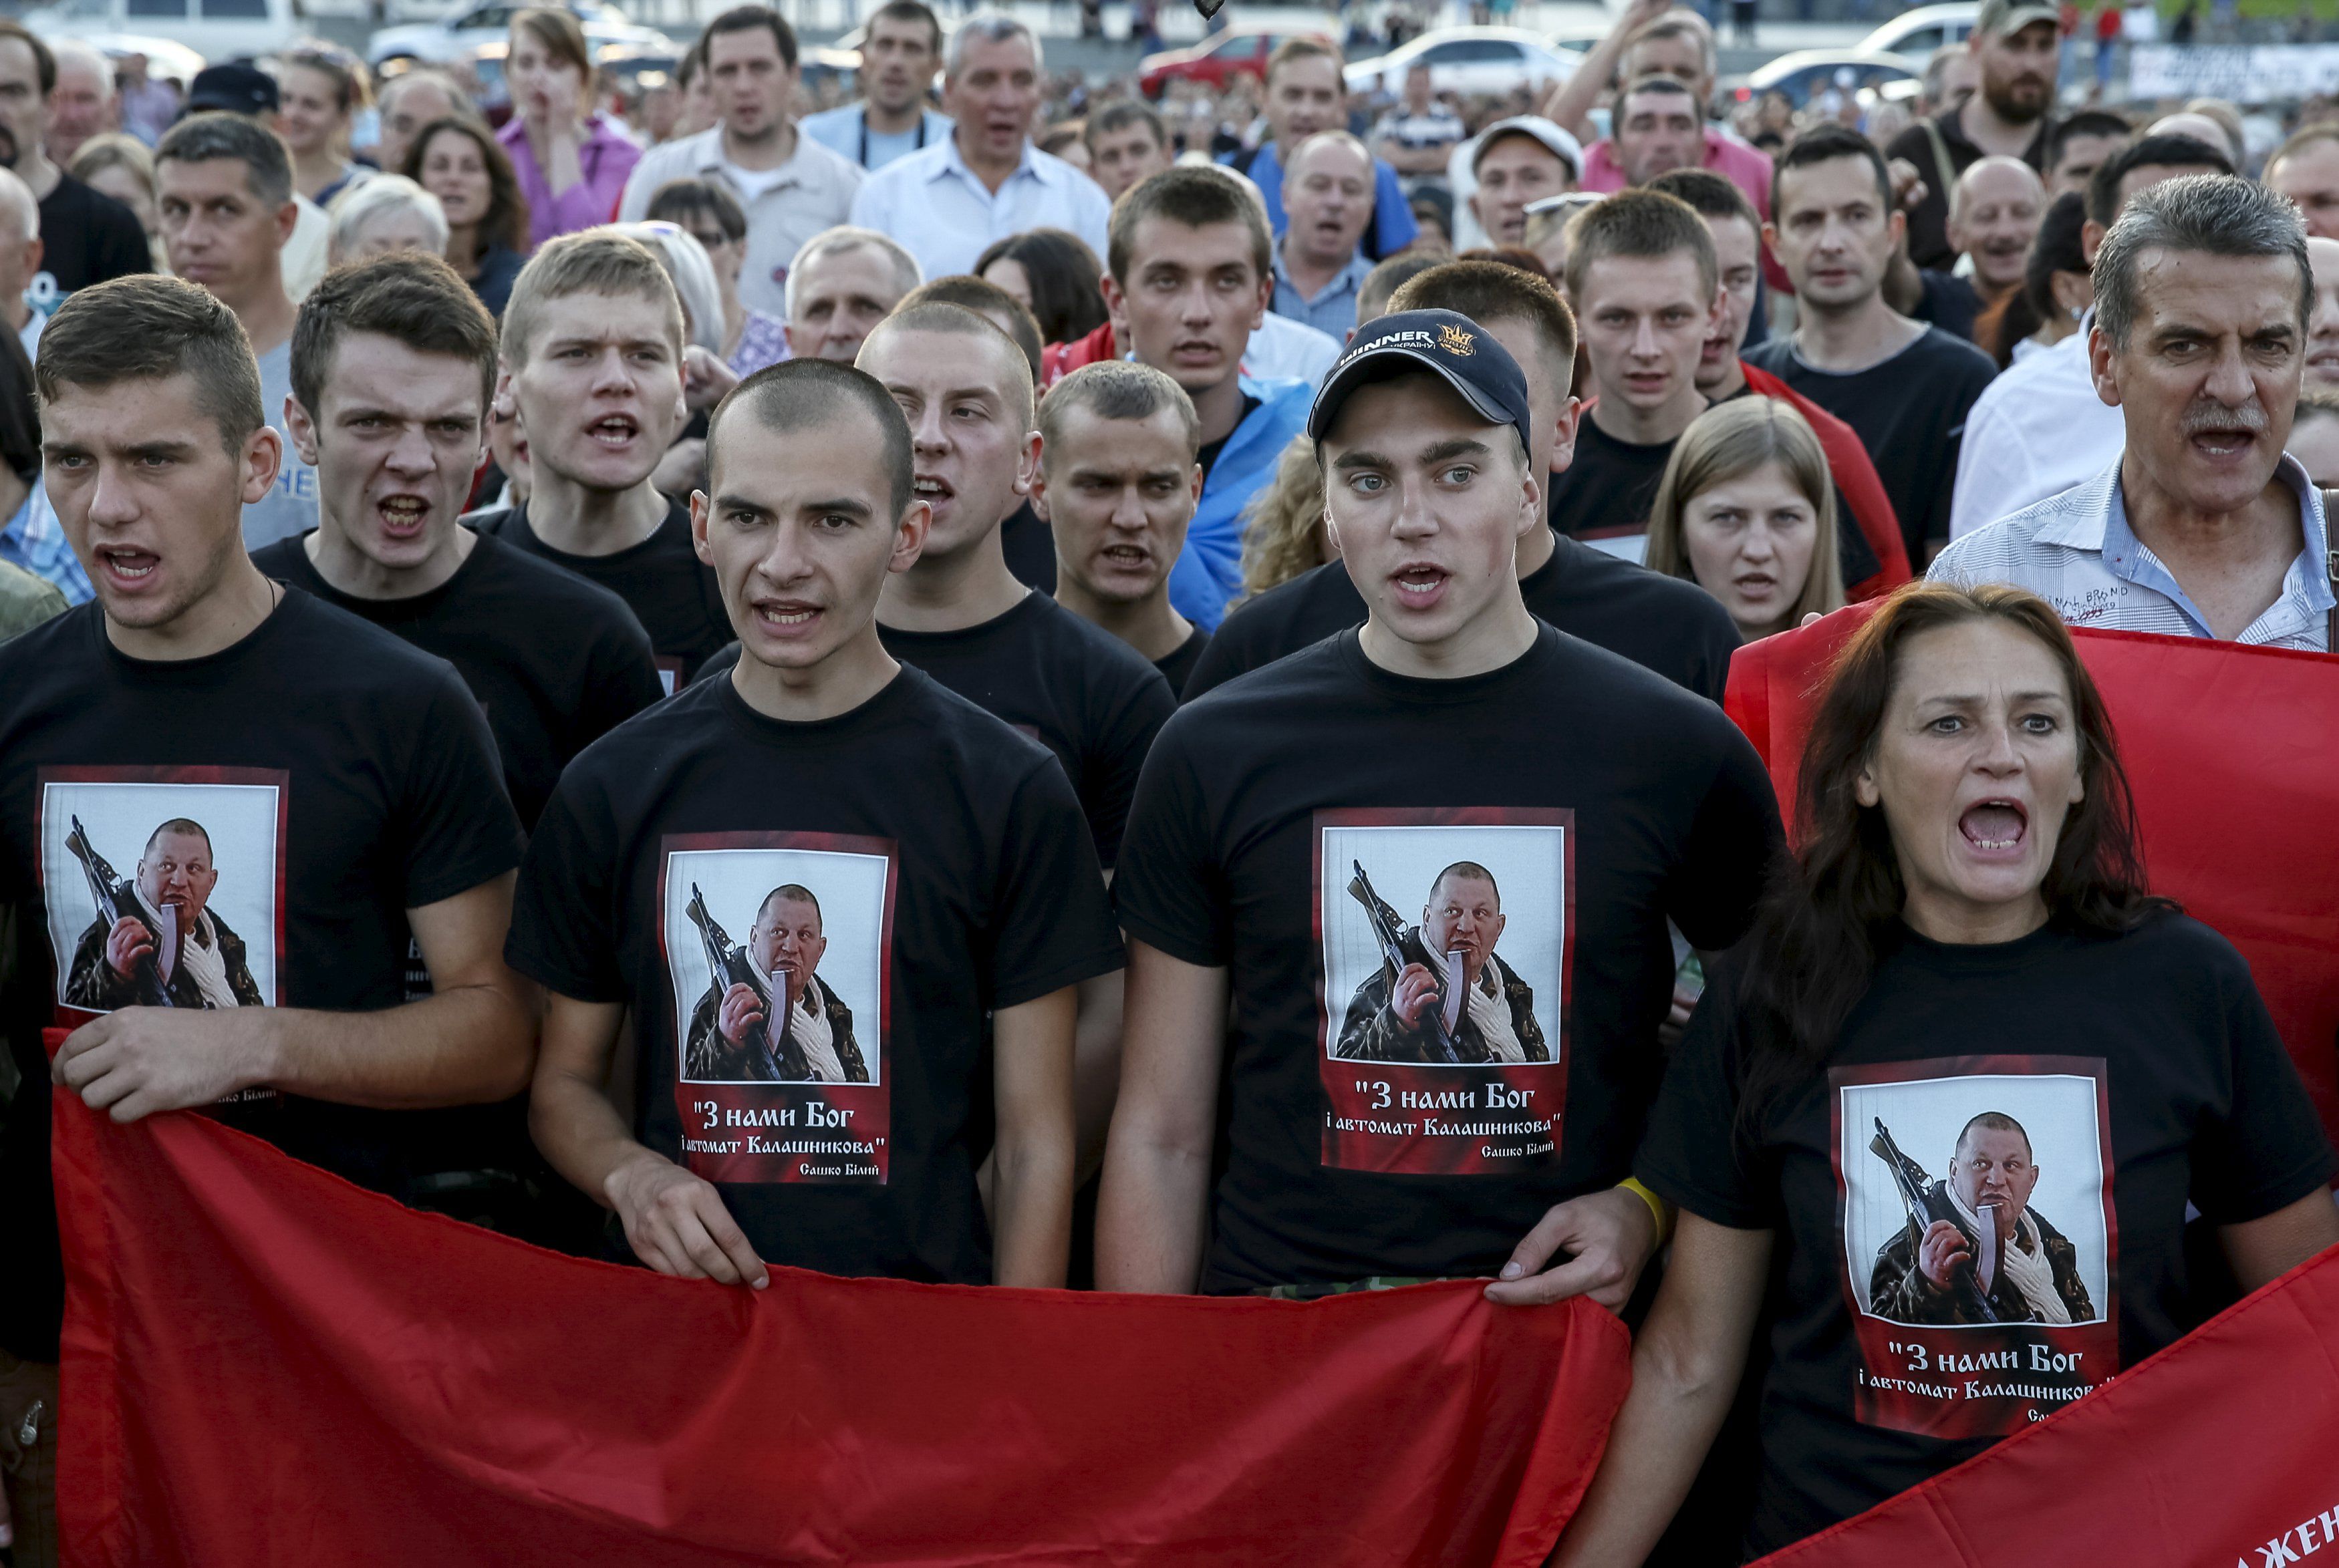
[[2204, 527], [841, 284], [947, 204], [223, 187], [83, 103], [1328, 199], [20, 259]]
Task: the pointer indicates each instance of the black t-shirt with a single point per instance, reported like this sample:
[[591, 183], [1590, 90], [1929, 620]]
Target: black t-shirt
[[1608, 491], [1177, 666], [555, 662], [88, 237], [1675, 629], [334, 776], [1030, 548], [1078, 690], [1208, 455], [947, 876], [2141, 1068], [1948, 301], [670, 590], [1910, 412], [1572, 800]]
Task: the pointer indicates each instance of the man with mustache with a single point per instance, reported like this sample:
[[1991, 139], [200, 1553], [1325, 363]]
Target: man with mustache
[[2032, 1273], [1398, 1020], [813, 1042], [2202, 527], [2015, 43], [202, 960]]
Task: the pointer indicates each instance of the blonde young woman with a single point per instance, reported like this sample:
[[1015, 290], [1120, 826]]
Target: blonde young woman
[[1746, 510], [1283, 534]]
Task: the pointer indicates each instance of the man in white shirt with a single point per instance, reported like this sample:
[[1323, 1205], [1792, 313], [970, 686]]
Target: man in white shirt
[[2041, 429], [946, 204], [899, 52], [2201, 527], [792, 186]]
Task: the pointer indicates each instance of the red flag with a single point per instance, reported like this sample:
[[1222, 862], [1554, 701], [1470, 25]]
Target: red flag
[[2217, 1449], [2233, 754], [264, 1365]]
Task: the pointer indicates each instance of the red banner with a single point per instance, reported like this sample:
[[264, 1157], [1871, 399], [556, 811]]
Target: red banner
[[2216, 1451], [2233, 753], [264, 1366]]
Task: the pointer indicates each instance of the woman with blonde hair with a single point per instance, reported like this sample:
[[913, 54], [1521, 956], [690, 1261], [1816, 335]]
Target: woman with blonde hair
[[122, 167], [1283, 534], [1746, 510]]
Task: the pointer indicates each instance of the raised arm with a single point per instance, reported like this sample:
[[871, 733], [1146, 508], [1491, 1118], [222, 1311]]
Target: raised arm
[[1032, 1185], [1570, 103], [1686, 1366], [472, 1040], [1150, 1216]]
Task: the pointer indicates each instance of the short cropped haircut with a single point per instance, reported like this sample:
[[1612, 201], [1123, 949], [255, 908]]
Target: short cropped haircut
[[215, 134], [989, 27], [912, 11], [1296, 49], [843, 237], [747, 18], [680, 201], [2151, 153], [595, 262], [1119, 116], [44, 59], [1191, 195], [1995, 1121], [1678, 24], [411, 298], [1709, 195], [1642, 224], [1824, 143], [2204, 214], [1491, 291], [1117, 389], [1385, 278], [2086, 123], [149, 328], [798, 395], [944, 305]]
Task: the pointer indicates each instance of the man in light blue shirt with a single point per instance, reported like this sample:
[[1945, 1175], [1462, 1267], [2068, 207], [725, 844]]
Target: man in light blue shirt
[[1328, 191], [898, 57], [1304, 94], [2202, 527], [985, 180]]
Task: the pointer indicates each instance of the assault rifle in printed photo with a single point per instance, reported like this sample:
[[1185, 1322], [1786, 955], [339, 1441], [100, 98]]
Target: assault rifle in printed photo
[[1924, 1209], [115, 898], [731, 966], [1402, 944]]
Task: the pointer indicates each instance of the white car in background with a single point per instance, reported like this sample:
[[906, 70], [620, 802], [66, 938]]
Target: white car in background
[[465, 29], [1469, 61], [1915, 34], [211, 29]]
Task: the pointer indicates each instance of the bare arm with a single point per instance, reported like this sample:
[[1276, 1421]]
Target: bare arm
[[1096, 1065], [1157, 1162], [1686, 1366], [1903, 289], [1570, 103], [675, 1221], [2265, 1250], [1031, 1185], [472, 1040]]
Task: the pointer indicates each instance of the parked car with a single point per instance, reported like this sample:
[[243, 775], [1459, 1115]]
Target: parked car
[[1805, 73], [1469, 61], [214, 29], [1216, 59], [165, 61], [1915, 34], [457, 34]]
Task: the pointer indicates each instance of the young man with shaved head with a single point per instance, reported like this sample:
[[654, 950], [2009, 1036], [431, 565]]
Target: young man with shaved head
[[847, 910], [1287, 1025], [344, 786]]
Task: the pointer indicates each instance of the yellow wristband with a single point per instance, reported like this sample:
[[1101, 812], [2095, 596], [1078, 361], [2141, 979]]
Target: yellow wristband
[[1658, 1209]]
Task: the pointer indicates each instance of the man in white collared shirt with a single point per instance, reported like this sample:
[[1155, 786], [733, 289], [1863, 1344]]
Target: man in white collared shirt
[[2039, 429], [946, 204], [2202, 527], [792, 187]]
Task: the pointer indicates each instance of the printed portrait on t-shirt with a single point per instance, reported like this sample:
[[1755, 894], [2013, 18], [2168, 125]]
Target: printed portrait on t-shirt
[[163, 885], [1445, 938], [1975, 1213], [776, 946]]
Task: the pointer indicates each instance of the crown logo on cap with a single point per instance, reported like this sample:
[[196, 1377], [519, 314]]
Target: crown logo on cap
[[1455, 340]]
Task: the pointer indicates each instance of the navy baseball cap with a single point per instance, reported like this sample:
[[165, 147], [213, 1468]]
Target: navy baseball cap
[[1445, 342], [238, 88]]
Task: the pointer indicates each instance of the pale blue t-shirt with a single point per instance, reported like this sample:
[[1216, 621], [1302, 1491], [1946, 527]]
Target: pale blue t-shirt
[[291, 506], [843, 131]]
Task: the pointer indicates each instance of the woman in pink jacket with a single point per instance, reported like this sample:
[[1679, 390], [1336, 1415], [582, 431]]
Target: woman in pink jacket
[[572, 161]]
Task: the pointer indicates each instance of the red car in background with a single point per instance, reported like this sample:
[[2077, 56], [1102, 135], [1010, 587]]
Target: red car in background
[[1237, 51]]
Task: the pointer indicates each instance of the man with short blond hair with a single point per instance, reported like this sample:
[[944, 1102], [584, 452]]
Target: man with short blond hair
[[1127, 145]]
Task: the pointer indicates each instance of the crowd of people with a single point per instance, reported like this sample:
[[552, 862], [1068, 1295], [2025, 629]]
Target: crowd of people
[[736, 681]]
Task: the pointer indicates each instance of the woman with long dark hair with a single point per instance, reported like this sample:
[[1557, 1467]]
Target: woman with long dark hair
[[1054, 275], [458, 161], [1938, 1119]]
